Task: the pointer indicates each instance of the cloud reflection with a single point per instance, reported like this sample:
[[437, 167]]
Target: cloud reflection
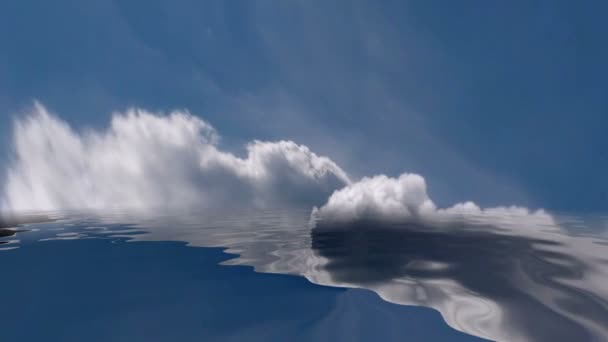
[[483, 282], [507, 282]]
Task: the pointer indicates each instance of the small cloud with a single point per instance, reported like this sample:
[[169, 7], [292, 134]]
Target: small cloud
[[405, 198]]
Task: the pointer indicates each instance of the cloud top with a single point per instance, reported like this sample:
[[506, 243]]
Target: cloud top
[[145, 160]]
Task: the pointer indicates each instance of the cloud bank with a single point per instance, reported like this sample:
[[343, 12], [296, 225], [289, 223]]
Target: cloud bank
[[145, 160]]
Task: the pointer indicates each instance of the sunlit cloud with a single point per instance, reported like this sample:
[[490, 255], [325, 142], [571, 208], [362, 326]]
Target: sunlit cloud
[[145, 160]]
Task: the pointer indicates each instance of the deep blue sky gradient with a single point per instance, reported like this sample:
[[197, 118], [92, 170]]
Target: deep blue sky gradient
[[497, 102]]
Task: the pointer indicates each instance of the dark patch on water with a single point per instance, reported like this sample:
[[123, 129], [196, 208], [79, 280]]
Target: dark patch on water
[[501, 268], [6, 232], [12, 221]]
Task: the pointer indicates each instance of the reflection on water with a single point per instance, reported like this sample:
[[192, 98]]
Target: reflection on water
[[505, 287], [7, 232], [510, 282]]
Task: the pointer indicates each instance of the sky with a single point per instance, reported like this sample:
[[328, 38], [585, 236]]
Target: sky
[[497, 102]]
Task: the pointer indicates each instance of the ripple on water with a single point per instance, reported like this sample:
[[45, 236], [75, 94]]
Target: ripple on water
[[519, 281]]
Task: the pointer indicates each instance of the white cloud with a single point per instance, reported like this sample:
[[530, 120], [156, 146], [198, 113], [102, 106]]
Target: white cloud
[[406, 198], [380, 196], [152, 161], [144, 160]]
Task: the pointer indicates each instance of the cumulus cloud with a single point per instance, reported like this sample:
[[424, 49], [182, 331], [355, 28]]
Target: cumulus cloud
[[380, 196], [406, 198], [145, 160]]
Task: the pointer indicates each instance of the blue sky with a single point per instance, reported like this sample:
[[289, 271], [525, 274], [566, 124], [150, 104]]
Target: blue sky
[[497, 102]]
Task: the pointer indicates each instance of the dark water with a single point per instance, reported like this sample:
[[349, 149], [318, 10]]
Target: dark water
[[275, 276]]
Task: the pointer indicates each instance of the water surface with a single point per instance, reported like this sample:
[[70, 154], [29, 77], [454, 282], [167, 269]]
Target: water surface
[[126, 277]]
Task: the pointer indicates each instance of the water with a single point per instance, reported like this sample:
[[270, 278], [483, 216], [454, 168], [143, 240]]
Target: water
[[275, 275]]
